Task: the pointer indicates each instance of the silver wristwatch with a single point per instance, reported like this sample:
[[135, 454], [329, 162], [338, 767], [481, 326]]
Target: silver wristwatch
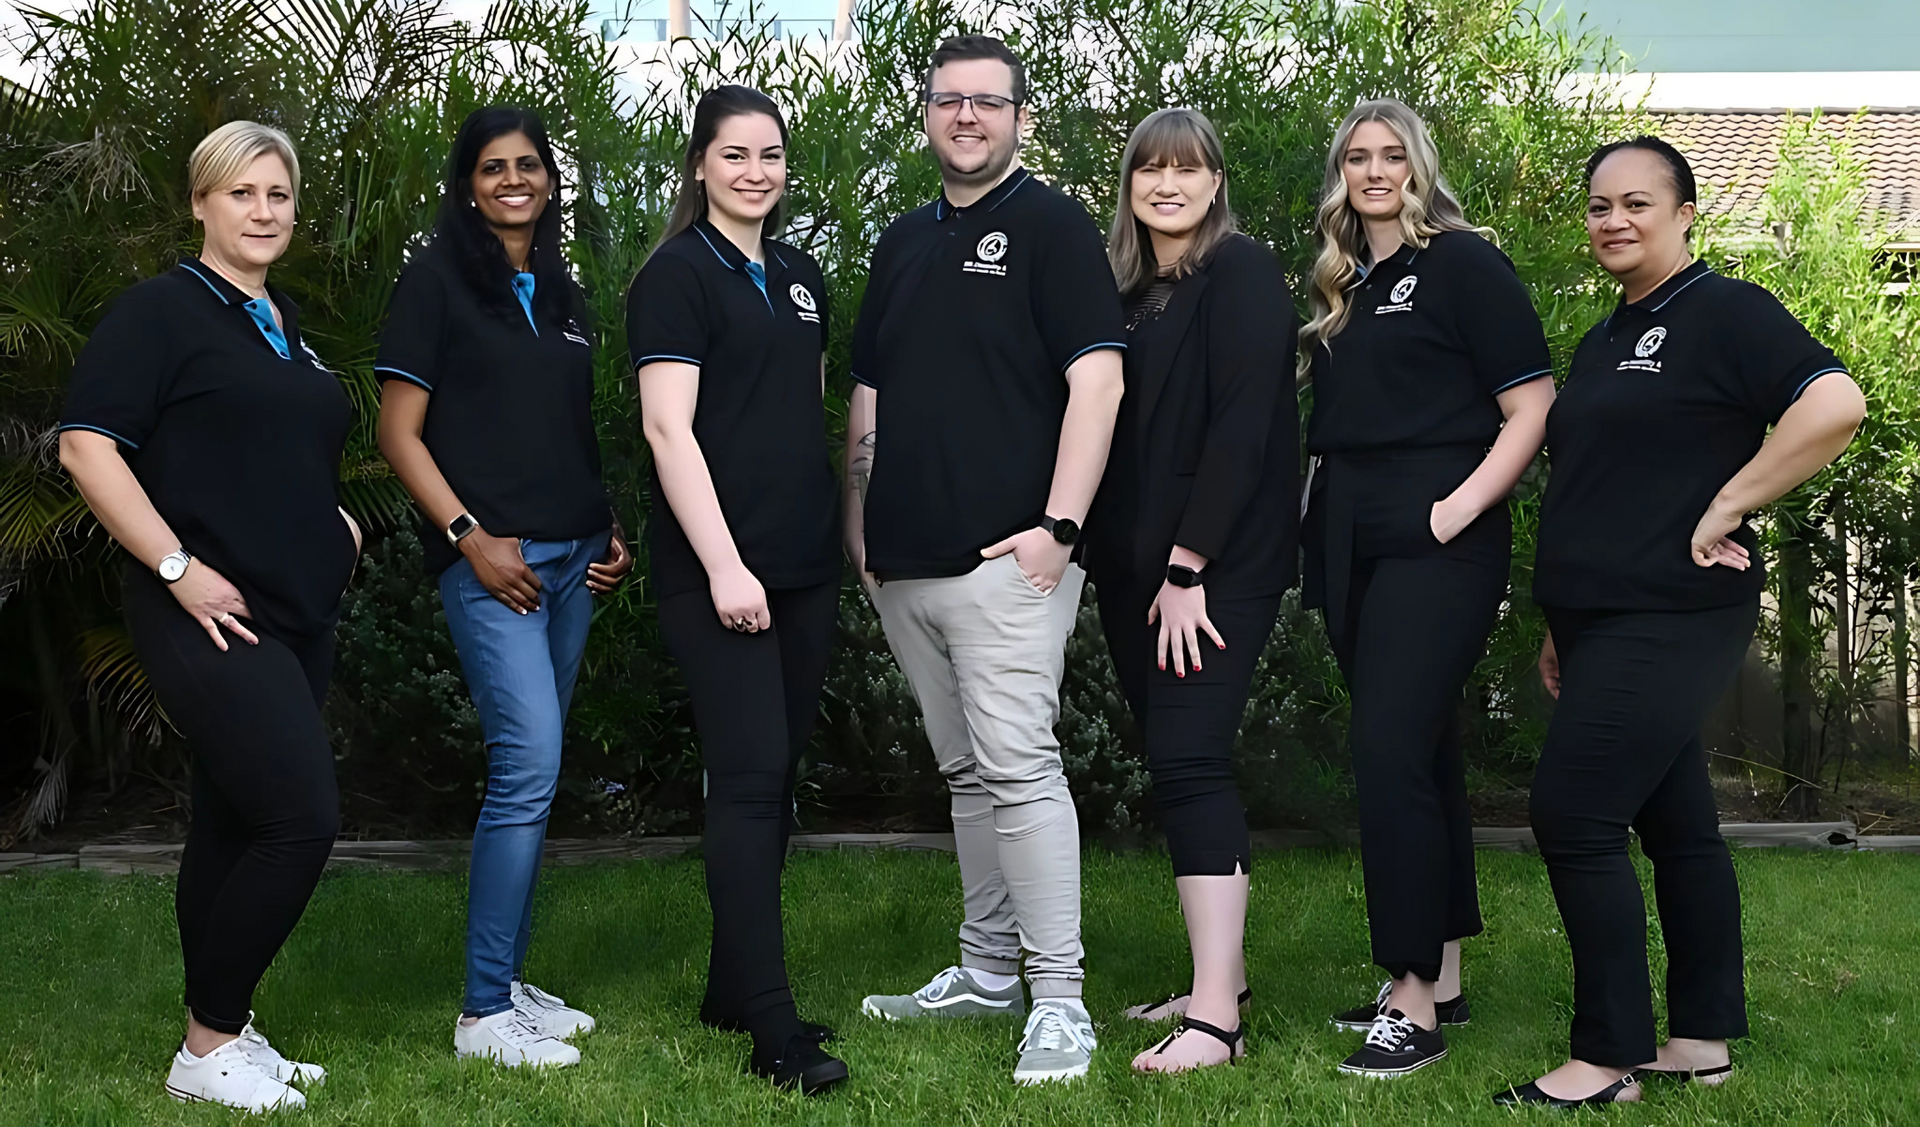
[[460, 527], [172, 566]]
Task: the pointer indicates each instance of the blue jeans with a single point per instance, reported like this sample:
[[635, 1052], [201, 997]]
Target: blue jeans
[[520, 669]]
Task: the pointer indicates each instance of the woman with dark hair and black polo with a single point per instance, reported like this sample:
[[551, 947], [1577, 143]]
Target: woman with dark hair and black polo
[[486, 387], [1651, 582], [1195, 532], [728, 330], [1431, 385], [206, 437]]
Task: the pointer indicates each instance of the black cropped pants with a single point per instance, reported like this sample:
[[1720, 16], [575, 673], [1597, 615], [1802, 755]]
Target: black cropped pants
[[755, 698], [1623, 752], [266, 808], [1190, 723], [1408, 618]]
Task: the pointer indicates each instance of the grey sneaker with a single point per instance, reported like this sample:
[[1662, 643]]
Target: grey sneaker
[[1058, 1043], [952, 993]]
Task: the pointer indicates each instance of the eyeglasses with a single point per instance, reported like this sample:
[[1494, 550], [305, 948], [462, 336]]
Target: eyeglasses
[[982, 103]]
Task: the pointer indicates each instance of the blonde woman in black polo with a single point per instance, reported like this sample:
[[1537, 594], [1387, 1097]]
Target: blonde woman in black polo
[[728, 331], [1651, 580], [1431, 385], [206, 437], [1195, 533]]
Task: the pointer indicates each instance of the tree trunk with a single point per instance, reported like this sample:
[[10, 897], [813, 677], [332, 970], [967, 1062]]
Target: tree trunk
[[1798, 756]]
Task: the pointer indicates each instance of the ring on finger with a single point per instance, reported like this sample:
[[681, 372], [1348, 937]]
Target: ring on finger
[[226, 619]]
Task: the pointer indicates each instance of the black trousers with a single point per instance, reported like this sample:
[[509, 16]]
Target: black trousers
[[1190, 723], [755, 698], [265, 805], [1624, 751], [1415, 619]]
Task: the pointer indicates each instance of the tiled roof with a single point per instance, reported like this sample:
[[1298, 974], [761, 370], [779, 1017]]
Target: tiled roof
[[1734, 153]]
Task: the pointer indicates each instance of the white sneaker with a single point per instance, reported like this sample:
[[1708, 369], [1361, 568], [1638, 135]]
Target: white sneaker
[[1058, 1043], [513, 1039], [550, 1013], [229, 1075], [279, 1067]]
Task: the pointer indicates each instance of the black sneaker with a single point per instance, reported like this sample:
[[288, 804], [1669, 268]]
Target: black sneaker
[[1395, 1046], [1359, 1019], [803, 1066], [727, 1023]]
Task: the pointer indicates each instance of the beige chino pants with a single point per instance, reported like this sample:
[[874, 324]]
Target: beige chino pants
[[984, 654]]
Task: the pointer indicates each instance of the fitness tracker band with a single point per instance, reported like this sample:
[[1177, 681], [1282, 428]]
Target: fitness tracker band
[[1180, 575]]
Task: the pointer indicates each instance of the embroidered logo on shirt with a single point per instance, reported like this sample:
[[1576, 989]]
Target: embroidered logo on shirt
[[1400, 296], [992, 248], [803, 303], [1648, 344], [574, 333], [315, 357]]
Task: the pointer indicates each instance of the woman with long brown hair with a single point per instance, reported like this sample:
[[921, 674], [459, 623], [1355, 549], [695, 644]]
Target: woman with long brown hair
[[1194, 533], [1431, 384]]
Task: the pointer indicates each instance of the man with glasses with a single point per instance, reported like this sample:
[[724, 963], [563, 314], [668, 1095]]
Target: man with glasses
[[992, 324]]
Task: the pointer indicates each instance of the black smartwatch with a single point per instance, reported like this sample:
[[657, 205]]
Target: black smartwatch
[[1180, 575], [1065, 531]]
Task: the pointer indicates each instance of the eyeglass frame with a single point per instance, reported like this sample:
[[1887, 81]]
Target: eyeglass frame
[[970, 100]]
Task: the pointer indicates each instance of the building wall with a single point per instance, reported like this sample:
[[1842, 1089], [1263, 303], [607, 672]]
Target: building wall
[[1756, 35]]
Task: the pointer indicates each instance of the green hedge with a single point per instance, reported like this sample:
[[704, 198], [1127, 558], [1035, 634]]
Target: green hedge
[[93, 198]]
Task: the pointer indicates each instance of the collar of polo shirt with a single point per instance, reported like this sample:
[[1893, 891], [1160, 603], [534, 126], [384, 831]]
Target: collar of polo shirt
[[255, 308], [1663, 293], [942, 209]]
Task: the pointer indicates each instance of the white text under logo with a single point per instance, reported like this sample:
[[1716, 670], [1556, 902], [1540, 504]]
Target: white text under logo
[[1648, 344], [803, 303], [992, 248], [1400, 297]]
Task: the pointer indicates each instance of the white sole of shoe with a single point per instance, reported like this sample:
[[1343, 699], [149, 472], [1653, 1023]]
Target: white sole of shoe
[[186, 1097], [1377, 1074], [523, 1062], [871, 1009], [1050, 1075]]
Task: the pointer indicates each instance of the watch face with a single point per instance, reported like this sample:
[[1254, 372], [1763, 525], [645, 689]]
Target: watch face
[[1066, 531], [172, 568]]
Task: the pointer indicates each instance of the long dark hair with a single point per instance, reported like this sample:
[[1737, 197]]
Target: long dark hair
[[464, 231], [714, 107]]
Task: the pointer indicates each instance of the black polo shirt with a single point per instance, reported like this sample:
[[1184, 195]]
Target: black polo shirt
[[235, 431], [1668, 398], [971, 318], [510, 421], [759, 419], [1432, 337]]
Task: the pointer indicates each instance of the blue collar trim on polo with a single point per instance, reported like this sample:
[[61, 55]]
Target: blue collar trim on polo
[[523, 289], [1665, 292], [260, 309], [1014, 182], [736, 260]]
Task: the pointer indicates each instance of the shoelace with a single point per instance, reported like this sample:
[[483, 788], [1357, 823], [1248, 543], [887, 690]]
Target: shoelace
[[937, 989], [1380, 999], [1052, 1027], [1390, 1033], [538, 999], [521, 1033]]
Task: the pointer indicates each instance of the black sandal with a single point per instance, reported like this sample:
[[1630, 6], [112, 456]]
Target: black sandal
[[1686, 1075], [1138, 1013], [1530, 1093], [1235, 1040]]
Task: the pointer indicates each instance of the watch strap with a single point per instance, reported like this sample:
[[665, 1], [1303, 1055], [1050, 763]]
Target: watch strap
[[1180, 575]]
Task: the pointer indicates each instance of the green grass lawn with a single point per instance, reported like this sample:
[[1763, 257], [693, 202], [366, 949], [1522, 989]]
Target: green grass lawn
[[369, 986]]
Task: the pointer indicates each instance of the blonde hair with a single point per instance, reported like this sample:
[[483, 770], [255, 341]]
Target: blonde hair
[[1428, 208], [223, 155], [1169, 136]]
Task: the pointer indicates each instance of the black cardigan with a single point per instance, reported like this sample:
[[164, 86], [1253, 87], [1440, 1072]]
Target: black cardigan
[[1206, 450]]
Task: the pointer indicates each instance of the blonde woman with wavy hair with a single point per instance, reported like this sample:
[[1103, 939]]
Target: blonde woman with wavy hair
[[1194, 536], [1431, 384]]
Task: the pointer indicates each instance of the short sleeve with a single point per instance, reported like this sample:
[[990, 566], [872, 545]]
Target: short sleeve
[[866, 328], [1075, 301], [1496, 320], [1774, 357], [667, 313], [416, 317], [120, 376]]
